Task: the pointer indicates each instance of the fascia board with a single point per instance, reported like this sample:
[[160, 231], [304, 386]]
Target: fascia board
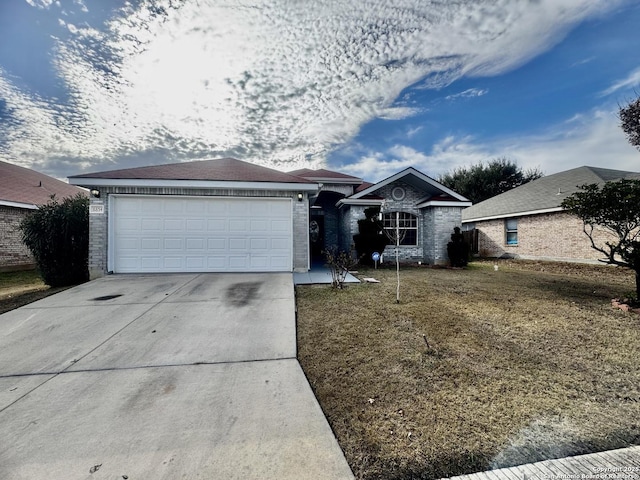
[[132, 182], [359, 201], [516, 214], [7, 203], [440, 203]]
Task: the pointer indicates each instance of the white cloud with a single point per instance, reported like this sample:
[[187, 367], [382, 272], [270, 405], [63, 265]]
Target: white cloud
[[592, 138], [469, 93], [632, 80], [272, 82]]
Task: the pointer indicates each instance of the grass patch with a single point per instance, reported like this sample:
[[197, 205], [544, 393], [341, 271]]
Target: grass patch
[[20, 281], [22, 287], [523, 364]]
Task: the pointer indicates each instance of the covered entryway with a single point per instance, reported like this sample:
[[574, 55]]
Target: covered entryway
[[160, 234]]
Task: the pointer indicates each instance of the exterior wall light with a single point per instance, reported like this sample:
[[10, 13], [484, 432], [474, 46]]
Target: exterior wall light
[[95, 193], [300, 196]]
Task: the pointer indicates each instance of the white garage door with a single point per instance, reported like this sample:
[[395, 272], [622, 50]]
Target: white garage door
[[200, 234]]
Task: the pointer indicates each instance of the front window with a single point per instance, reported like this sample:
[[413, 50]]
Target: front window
[[511, 231], [407, 225]]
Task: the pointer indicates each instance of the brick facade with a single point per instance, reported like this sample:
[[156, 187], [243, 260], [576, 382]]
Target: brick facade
[[98, 223], [14, 255], [435, 225], [550, 236]]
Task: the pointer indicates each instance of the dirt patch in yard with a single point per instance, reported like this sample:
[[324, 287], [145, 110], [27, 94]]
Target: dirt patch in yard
[[522, 364]]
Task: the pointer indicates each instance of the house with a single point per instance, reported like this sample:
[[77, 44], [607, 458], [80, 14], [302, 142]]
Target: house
[[229, 215], [21, 191], [529, 223]]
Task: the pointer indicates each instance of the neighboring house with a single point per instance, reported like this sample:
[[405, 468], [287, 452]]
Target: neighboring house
[[21, 191], [528, 221], [229, 215]]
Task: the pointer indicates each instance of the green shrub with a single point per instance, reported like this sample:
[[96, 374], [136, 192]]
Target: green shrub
[[58, 236]]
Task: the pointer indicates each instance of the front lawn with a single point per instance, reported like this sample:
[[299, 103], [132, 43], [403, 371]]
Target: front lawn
[[474, 368], [22, 287]]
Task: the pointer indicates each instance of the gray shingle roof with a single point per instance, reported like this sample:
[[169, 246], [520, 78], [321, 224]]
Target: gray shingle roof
[[542, 194]]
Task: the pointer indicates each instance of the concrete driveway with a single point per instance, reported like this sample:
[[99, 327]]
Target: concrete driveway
[[163, 377]]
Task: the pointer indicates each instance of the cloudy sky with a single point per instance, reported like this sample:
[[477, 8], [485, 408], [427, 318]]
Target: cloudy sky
[[367, 87]]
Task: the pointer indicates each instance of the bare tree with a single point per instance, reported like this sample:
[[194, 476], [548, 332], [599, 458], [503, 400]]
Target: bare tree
[[395, 234]]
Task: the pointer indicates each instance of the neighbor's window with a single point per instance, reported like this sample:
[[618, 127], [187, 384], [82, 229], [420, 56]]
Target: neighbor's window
[[511, 229], [408, 226]]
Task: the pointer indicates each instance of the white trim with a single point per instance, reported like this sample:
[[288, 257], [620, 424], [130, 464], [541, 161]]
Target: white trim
[[359, 201], [443, 203], [110, 235], [404, 173], [516, 214], [133, 182], [7, 203]]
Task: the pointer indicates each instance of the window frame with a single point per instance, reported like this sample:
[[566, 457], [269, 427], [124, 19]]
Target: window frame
[[408, 222], [511, 229]]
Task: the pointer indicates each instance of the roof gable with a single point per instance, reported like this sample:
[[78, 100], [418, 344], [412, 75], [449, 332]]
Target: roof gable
[[224, 169], [542, 195], [416, 179], [23, 187]]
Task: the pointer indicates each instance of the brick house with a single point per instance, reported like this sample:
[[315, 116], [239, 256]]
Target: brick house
[[21, 191], [428, 212], [227, 215], [529, 223]]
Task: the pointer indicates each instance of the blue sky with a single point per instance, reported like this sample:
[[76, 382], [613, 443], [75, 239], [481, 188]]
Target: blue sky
[[365, 87]]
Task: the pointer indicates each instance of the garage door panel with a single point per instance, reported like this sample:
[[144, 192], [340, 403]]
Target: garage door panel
[[173, 224], [238, 244], [214, 244], [280, 226], [151, 225], [195, 244], [195, 224], [172, 263], [216, 264], [259, 244], [217, 225], [173, 244], [195, 262], [237, 262], [280, 244], [238, 225], [150, 244], [259, 226], [173, 207], [197, 234]]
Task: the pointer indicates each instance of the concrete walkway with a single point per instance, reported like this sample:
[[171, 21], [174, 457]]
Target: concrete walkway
[[162, 377], [622, 464]]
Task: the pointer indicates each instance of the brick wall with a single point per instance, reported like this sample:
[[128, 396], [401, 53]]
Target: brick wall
[[98, 224], [13, 253], [443, 221], [554, 236], [435, 225]]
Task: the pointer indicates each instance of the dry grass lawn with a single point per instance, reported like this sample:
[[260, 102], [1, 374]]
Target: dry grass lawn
[[527, 363], [22, 287]]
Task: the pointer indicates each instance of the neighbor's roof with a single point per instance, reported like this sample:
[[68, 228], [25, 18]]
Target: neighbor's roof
[[223, 169], [25, 188], [542, 195]]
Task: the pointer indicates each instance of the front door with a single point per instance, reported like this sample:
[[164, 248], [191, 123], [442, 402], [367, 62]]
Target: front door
[[316, 238]]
